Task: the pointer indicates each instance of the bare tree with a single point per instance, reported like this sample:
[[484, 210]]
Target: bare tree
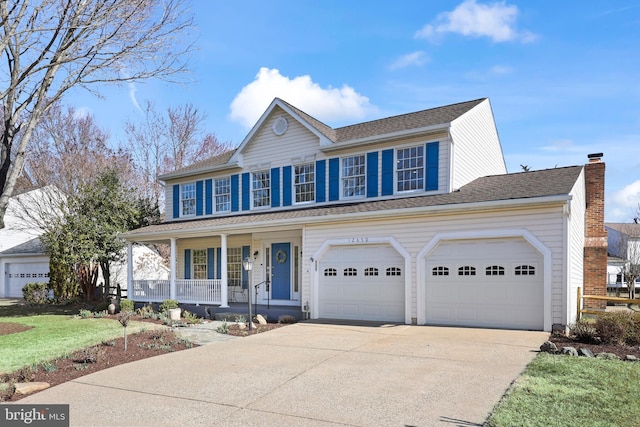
[[625, 240], [69, 150], [162, 143], [52, 46]]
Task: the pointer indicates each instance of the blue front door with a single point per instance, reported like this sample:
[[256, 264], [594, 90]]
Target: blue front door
[[281, 271]]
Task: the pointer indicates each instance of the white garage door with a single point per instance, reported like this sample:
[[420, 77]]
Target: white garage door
[[362, 283], [496, 283], [19, 274]]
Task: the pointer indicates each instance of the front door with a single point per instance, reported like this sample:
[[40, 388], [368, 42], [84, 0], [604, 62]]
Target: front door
[[281, 271]]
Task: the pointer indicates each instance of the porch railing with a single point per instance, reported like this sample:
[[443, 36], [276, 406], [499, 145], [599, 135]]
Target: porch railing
[[187, 291]]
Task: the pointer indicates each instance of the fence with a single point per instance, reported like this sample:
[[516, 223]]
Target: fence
[[581, 297]]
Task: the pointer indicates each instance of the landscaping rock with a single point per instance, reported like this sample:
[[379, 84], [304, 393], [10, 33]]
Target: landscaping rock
[[548, 347], [261, 320], [570, 351], [28, 388], [607, 356], [586, 352], [631, 358]]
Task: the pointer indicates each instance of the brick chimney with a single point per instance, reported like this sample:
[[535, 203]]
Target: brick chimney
[[595, 235]]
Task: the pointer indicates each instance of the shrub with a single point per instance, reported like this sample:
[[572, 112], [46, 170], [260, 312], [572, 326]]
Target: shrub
[[612, 328], [127, 305], [85, 314], [633, 335], [286, 319], [584, 331], [101, 306], [36, 293], [190, 317], [223, 328], [147, 312], [168, 304]]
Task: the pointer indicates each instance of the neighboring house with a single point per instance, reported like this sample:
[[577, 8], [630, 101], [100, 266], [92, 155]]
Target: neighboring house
[[22, 256], [409, 219], [624, 248]]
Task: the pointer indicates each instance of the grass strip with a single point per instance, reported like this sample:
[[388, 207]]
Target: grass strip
[[563, 390]]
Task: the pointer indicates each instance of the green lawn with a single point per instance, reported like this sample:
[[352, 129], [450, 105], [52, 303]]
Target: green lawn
[[54, 335], [572, 391]]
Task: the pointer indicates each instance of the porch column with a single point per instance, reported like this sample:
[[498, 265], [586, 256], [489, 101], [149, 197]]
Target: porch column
[[129, 270], [172, 267], [224, 298]]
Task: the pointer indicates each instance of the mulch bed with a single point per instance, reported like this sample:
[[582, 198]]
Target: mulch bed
[[620, 350]]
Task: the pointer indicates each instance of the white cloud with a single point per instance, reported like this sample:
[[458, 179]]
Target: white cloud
[[326, 104], [624, 203], [494, 20], [417, 58]]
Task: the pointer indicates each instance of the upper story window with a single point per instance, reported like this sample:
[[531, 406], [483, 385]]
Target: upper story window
[[223, 194], [200, 264], [188, 199], [353, 176], [305, 182], [261, 189], [410, 169]]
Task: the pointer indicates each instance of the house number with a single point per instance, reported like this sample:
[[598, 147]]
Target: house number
[[358, 239]]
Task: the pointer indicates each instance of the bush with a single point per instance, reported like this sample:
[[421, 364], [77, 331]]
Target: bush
[[127, 305], [286, 319], [147, 312], [584, 331], [36, 293], [612, 328], [168, 304]]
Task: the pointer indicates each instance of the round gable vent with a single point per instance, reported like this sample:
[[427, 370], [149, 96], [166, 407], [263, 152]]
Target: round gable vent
[[280, 125]]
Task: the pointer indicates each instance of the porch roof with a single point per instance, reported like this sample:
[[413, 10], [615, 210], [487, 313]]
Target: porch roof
[[523, 187]]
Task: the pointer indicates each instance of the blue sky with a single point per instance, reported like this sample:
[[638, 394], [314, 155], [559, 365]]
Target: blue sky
[[562, 77]]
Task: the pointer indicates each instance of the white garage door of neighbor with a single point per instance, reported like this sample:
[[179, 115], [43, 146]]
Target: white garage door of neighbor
[[19, 274], [495, 283], [362, 283]]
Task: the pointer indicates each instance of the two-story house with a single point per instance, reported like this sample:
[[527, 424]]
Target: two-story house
[[409, 219]]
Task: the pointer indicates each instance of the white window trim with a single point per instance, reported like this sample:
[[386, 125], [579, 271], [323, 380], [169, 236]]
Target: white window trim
[[195, 198], [215, 194], [315, 182], [252, 189], [342, 177], [395, 168]]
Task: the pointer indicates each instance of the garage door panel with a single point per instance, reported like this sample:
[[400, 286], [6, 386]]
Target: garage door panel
[[19, 274], [500, 294], [370, 294]]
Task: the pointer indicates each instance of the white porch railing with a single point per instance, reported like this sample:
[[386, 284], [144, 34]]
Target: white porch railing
[[187, 291]]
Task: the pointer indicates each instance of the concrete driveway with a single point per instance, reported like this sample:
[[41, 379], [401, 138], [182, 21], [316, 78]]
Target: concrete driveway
[[310, 374]]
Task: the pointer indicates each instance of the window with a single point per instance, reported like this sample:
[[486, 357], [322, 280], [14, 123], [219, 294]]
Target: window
[[199, 263], [330, 272], [410, 169], [305, 182], [394, 271], [440, 271], [494, 270], [223, 194], [261, 189], [370, 271], [466, 271], [188, 199], [525, 270], [234, 266], [353, 176], [350, 271]]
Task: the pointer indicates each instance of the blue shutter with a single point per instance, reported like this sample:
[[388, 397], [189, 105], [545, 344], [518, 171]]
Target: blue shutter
[[208, 191], [245, 191], [235, 189], [187, 263], [218, 263], [372, 174], [176, 201], [199, 198], [286, 186], [275, 187], [245, 254], [321, 184], [210, 263], [387, 172], [431, 164], [334, 179]]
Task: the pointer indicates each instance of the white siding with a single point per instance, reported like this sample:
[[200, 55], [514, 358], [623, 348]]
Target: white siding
[[476, 146], [575, 250], [414, 233]]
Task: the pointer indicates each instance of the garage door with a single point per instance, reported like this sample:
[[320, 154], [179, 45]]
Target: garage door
[[362, 283], [19, 274], [495, 283]]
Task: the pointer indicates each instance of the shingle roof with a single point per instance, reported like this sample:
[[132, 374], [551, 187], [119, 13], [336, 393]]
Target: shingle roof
[[210, 162], [630, 229], [515, 186]]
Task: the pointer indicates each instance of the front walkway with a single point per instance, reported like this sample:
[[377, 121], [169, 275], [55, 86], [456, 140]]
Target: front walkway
[[310, 374]]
